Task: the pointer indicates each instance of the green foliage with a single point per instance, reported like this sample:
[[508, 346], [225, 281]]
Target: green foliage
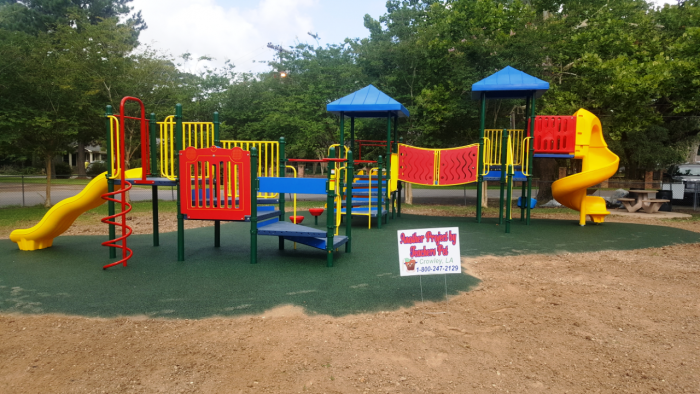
[[633, 65], [96, 168], [63, 170]]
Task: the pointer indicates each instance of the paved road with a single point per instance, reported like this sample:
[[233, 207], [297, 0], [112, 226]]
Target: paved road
[[35, 195]]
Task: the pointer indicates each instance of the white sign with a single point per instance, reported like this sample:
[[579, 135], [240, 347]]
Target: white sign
[[429, 251]]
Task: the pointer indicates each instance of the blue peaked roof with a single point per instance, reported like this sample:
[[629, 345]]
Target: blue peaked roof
[[368, 102], [509, 83]]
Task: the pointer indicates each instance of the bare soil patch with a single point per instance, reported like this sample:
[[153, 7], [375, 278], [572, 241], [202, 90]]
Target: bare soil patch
[[607, 322]]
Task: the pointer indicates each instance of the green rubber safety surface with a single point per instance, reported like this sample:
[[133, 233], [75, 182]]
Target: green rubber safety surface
[[68, 277]]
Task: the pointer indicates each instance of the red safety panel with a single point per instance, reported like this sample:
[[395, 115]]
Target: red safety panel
[[210, 178], [555, 134], [458, 166], [416, 165]]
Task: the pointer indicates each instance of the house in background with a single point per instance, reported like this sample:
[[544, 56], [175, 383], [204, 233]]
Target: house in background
[[92, 153]]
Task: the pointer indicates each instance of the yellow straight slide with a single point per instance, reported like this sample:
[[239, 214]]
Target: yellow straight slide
[[599, 164], [62, 215]]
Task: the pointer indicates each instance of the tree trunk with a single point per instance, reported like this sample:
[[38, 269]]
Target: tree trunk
[[547, 169], [49, 165], [484, 195], [693, 153], [409, 193], [80, 162]]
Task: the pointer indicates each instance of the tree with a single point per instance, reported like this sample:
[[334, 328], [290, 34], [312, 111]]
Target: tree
[[53, 82]]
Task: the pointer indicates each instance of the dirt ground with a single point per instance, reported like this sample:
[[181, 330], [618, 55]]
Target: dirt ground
[[603, 322]]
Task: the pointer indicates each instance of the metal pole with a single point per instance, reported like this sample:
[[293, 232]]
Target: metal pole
[[339, 153], [348, 200], [23, 191], [217, 137], [400, 185], [533, 108], [330, 218], [152, 125], [282, 173], [394, 150], [509, 197], [480, 165], [180, 216], [504, 155], [523, 192], [254, 205], [352, 133], [110, 181], [379, 194]]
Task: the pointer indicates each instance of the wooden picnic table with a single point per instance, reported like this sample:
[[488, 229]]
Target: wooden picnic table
[[642, 201]]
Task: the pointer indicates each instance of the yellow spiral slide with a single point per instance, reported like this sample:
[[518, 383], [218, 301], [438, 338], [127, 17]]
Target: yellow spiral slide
[[599, 164], [62, 215]]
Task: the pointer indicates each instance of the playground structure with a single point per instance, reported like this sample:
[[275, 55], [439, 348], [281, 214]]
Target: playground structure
[[244, 181], [239, 183], [504, 155]]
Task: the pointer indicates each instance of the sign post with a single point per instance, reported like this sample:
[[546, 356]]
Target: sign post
[[429, 251]]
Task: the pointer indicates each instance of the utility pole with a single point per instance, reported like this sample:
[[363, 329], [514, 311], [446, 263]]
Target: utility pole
[[279, 50]]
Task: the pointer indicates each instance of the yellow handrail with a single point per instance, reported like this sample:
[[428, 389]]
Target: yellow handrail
[[495, 135], [268, 158], [167, 148], [486, 156], [338, 196], [294, 214], [525, 155], [115, 147], [333, 146], [196, 134], [295, 195]]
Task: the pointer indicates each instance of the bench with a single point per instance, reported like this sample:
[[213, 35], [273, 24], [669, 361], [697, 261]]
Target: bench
[[653, 205], [629, 204]]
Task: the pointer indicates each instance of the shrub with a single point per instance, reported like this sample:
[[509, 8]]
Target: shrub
[[63, 171], [96, 168]]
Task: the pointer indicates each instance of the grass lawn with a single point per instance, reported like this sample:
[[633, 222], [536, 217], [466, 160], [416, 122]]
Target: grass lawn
[[42, 180]]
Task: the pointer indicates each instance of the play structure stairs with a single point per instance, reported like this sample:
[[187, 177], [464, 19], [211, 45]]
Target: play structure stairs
[[492, 175]]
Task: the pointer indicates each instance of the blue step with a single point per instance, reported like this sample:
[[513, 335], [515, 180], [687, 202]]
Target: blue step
[[319, 242], [365, 183], [365, 192], [364, 210], [496, 176], [361, 201]]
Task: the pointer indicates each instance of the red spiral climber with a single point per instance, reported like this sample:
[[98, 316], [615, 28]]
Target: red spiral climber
[[126, 230], [124, 185]]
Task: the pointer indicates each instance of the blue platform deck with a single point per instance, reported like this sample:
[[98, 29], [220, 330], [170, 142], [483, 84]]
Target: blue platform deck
[[287, 229], [157, 181], [319, 242]]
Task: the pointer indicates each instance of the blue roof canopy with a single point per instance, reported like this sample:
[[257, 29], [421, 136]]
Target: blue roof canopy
[[509, 83], [368, 102]]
